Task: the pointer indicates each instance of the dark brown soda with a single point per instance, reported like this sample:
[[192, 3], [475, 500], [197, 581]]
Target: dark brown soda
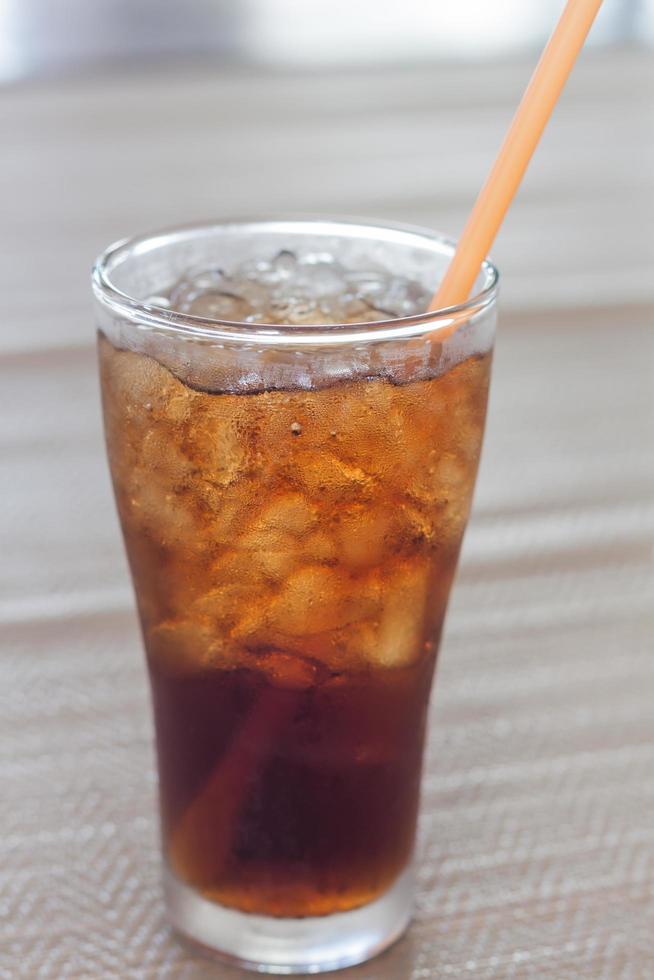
[[292, 553], [326, 818]]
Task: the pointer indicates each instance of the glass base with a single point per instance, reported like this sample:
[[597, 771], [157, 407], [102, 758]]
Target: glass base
[[269, 945]]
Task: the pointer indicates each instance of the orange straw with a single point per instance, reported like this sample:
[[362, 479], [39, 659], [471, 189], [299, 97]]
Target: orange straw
[[519, 144]]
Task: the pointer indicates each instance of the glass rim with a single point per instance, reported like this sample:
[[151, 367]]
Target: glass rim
[[188, 325]]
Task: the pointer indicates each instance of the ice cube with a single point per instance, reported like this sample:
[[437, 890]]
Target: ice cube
[[193, 284], [322, 278], [131, 382], [284, 264], [215, 445], [225, 508], [363, 536], [219, 306], [260, 272], [289, 670], [367, 282], [452, 473], [176, 408], [222, 606], [355, 308], [320, 547], [357, 643], [291, 513], [294, 308], [271, 552], [402, 297], [317, 598], [370, 436], [296, 289], [184, 646], [327, 476], [416, 523], [156, 506], [402, 623]]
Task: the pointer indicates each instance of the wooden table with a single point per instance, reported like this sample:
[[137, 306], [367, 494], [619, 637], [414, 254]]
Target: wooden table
[[537, 830]]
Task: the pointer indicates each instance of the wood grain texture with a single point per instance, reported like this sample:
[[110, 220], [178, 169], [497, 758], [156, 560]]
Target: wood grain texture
[[537, 829]]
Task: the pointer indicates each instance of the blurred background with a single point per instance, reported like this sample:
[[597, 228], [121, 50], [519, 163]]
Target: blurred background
[[120, 116], [39, 37]]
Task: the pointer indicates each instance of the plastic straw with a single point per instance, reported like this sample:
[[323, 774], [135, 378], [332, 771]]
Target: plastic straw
[[200, 844], [526, 129]]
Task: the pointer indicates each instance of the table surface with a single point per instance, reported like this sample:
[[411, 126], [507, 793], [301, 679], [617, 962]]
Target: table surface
[[536, 854]]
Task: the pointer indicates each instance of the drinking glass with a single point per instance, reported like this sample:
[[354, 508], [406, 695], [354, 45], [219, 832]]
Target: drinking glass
[[293, 500]]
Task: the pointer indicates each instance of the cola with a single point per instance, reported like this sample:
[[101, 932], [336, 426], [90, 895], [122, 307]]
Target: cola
[[292, 548]]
